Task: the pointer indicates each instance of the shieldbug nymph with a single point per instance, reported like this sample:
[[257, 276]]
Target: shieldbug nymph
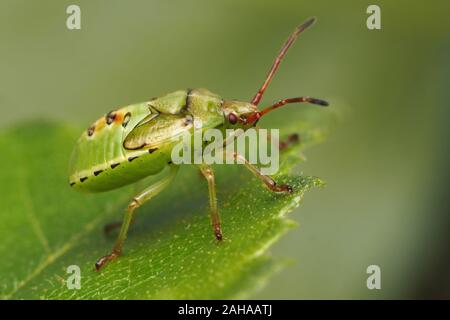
[[134, 142]]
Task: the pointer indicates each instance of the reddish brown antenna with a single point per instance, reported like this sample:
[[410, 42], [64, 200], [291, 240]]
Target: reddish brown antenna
[[257, 98]]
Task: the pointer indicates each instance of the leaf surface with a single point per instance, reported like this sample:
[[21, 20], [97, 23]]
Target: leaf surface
[[170, 251]]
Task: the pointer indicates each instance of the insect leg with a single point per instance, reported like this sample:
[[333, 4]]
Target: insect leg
[[268, 181], [137, 201], [112, 226], [208, 173], [289, 141], [108, 228], [286, 143]]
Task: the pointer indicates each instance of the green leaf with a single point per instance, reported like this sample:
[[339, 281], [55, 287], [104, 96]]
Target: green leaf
[[170, 251]]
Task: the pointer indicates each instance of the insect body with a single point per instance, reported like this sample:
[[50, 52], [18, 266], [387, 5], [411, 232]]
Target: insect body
[[133, 142], [136, 141]]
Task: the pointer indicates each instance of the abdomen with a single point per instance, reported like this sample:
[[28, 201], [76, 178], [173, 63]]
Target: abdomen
[[99, 161]]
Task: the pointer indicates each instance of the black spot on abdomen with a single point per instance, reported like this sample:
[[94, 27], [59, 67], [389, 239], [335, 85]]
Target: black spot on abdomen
[[126, 119], [91, 130], [110, 117]]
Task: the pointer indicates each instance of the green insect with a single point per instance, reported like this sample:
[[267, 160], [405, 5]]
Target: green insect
[[136, 141]]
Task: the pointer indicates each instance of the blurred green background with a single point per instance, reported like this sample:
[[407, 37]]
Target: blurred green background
[[385, 162]]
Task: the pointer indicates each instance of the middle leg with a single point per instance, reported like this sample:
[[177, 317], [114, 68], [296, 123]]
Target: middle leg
[[208, 173]]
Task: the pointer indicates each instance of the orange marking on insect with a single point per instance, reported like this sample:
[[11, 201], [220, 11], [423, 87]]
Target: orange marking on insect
[[100, 124], [119, 118]]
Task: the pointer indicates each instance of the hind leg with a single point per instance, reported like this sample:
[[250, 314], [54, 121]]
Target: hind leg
[[137, 201]]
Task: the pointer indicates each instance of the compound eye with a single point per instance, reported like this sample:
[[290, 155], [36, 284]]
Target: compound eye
[[232, 118]]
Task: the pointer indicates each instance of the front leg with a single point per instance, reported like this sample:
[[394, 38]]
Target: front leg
[[292, 139], [268, 181]]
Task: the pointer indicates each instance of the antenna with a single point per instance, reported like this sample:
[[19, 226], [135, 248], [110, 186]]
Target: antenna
[[294, 35]]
